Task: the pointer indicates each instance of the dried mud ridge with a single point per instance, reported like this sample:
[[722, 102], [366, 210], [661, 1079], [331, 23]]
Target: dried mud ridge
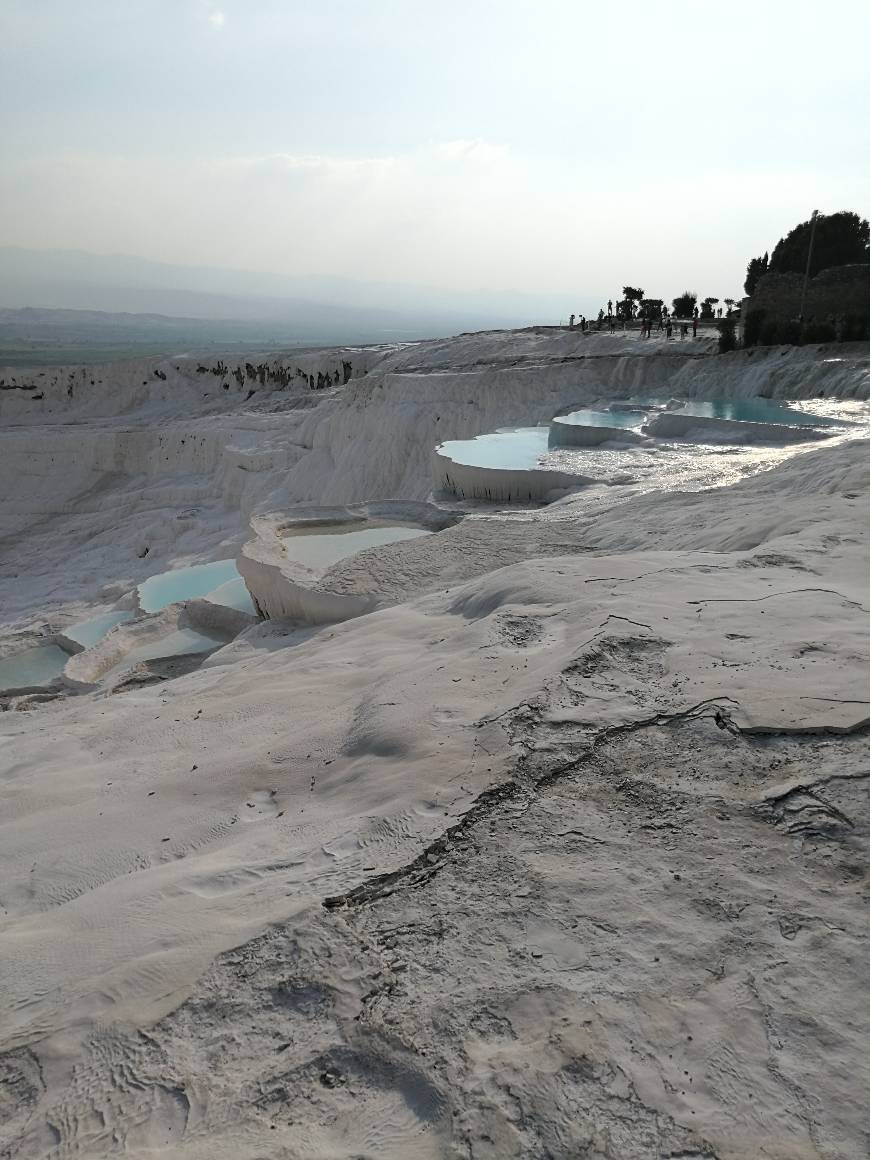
[[432, 858], [521, 792]]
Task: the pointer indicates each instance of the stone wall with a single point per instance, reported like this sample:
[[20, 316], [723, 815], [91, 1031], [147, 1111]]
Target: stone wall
[[840, 290]]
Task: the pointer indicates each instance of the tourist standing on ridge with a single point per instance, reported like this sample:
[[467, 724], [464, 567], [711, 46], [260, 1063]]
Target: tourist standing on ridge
[[571, 322]]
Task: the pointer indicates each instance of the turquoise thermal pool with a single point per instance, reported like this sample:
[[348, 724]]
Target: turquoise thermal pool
[[199, 580], [755, 410], [33, 668], [91, 632], [233, 594], [752, 411], [519, 448], [321, 547]]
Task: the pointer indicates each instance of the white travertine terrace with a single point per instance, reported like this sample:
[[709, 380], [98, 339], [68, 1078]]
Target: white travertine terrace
[[285, 588], [561, 850], [88, 666], [505, 484]]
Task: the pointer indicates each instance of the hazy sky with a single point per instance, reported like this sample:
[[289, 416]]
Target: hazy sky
[[542, 145]]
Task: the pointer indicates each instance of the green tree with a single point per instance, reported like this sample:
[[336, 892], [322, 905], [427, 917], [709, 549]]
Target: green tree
[[756, 268], [684, 304], [630, 295], [727, 335], [840, 239], [707, 307], [651, 307]]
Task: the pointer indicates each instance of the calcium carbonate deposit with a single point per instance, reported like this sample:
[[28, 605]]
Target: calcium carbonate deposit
[[363, 797]]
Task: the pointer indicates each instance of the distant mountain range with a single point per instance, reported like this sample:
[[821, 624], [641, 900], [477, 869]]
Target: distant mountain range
[[314, 305], [40, 336]]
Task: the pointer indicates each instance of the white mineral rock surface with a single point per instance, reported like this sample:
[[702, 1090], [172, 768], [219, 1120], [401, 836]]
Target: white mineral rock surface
[[561, 850]]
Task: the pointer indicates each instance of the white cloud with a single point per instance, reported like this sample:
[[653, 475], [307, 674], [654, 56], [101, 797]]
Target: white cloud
[[315, 164], [217, 19], [442, 155], [470, 149]]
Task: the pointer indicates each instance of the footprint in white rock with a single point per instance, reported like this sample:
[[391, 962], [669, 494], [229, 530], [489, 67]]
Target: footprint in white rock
[[262, 803], [359, 1104], [343, 846], [222, 882]]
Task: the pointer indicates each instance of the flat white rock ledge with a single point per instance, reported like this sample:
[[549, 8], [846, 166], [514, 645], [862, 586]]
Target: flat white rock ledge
[[582, 435], [673, 425], [802, 715]]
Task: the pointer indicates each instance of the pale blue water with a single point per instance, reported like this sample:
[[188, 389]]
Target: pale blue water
[[182, 640], [756, 410], [519, 448], [752, 411], [233, 594], [37, 666], [621, 418], [91, 632], [185, 584], [321, 547]]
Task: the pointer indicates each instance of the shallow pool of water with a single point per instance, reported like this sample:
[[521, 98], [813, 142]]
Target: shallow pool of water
[[34, 667], [622, 418], [323, 546], [519, 448], [752, 411], [185, 584], [182, 640], [91, 632], [233, 594], [755, 410]]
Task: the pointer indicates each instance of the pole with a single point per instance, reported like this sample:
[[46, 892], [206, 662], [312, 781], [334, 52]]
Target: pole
[[809, 260]]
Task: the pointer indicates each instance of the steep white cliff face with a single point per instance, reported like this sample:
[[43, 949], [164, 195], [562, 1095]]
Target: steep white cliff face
[[181, 384]]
